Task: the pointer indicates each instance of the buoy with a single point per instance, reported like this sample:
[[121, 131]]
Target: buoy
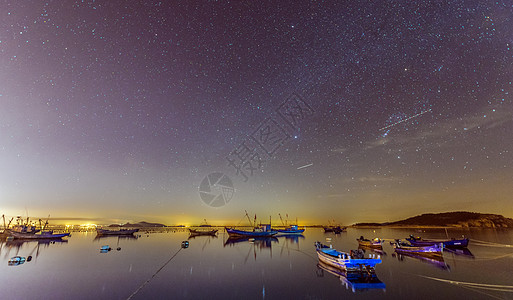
[[119, 248], [185, 244], [29, 258]]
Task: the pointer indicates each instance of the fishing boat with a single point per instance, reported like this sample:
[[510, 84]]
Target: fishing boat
[[263, 231], [289, 229], [40, 235], [292, 229], [448, 243], [334, 229], [354, 261], [101, 231], [375, 243], [434, 250]]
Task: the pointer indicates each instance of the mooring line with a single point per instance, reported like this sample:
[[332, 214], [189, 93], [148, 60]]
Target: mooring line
[[149, 279], [490, 244], [492, 287]]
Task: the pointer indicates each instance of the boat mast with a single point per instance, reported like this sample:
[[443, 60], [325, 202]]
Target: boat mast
[[3, 217]]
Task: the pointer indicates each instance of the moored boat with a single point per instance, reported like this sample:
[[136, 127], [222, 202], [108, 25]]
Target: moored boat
[[292, 229], [39, 235], [263, 231], [434, 250], [354, 261], [375, 243], [101, 231], [202, 232], [448, 243]]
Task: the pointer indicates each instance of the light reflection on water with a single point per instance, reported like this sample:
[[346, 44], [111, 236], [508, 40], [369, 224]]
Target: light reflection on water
[[222, 268]]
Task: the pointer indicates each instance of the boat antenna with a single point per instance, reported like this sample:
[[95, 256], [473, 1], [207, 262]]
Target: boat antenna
[[248, 217]]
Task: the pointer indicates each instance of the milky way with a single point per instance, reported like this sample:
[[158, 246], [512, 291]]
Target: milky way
[[117, 109]]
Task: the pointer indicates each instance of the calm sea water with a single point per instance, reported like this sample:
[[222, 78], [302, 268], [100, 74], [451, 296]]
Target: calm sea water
[[154, 266]]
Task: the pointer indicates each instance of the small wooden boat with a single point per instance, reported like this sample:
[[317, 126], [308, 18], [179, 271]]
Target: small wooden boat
[[350, 262], [428, 251], [263, 231], [101, 231], [375, 243], [16, 261], [202, 232], [448, 243], [437, 261]]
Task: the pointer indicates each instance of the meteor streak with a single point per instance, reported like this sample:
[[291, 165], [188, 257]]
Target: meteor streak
[[305, 166], [409, 118]]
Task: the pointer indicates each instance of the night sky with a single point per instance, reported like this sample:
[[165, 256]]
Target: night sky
[[357, 111]]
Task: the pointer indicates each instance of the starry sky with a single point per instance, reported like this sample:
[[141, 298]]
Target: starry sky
[[117, 110]]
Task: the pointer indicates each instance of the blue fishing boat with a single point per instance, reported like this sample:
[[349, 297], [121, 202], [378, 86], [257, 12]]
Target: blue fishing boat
[[354, 261], [292, 229], [448, 243]]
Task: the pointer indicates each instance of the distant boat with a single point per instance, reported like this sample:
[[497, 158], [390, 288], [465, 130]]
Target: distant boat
[[434, 251], [101, 231], [375, 243], [292, 229], [334, 229], [448, 243], [202, 232], [354, 261], [263, 231]]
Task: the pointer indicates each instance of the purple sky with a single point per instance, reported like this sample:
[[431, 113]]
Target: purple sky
[[119, 109]]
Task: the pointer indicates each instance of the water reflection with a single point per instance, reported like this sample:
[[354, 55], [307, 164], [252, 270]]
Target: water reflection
[[17, 247], [292, 238], [462, 252], [355, 281], [378, 251], [260, 242]]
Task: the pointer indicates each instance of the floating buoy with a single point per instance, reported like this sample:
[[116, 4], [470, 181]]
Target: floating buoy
[[29, 258], [185, 244], [119, 248], [16, 261], [105, 249]]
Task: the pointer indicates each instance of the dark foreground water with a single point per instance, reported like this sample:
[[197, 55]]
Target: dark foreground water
[[280, 268]]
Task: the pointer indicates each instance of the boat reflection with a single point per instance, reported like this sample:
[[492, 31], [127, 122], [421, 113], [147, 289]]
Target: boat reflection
[[434, 261], [378, 251], [291, 238], [460, 251], [355, 281], [261, 242], [18, 245]]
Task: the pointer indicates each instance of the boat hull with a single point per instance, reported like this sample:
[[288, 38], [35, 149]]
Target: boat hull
[[244, 233], [460, 243], [116, 232], [38, 236], [370, 244]]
